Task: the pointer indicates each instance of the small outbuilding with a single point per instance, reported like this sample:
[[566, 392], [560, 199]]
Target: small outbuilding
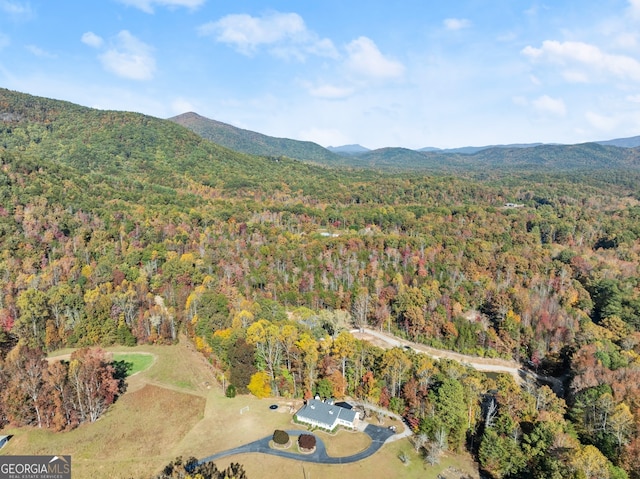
[[326, 416]]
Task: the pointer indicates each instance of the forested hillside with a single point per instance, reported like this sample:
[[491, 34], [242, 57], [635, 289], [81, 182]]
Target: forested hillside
[[246, 141], [122, 228], [506, 159]]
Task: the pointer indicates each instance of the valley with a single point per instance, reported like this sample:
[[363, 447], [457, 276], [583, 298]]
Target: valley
[[245, 275]]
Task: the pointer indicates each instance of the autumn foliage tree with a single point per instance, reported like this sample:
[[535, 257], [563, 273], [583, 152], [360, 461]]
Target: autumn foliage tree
[[58, 395], [93, 380], [260, 385], [306, 441]]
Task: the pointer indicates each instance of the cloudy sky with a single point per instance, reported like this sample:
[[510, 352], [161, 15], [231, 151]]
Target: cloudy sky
[[410, 73]]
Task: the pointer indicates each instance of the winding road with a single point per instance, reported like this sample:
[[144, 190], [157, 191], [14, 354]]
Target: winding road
[[385, 340]]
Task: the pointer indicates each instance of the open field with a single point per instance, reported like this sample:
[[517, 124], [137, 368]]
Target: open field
[[344, 443], [173, 406], [383, 464], [135, 362]]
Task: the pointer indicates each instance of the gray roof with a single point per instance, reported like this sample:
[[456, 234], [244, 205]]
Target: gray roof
[[324, 413]]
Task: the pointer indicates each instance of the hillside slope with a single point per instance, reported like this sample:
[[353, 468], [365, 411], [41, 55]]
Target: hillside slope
[[253, 143], [133, 151], [587, 156]]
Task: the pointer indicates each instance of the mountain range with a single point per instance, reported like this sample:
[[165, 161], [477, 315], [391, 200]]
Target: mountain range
[[616, 153]]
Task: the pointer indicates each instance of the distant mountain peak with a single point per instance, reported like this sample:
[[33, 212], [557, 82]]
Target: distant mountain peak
[[353, 149], [186, 115], [251, 142]]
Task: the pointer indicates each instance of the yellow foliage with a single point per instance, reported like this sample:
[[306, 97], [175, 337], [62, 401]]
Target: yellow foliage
[[593, 332], [190, 299], [201, 345], [571, 297], [223, 333], [618, 328], [86, 271], [633, 357], [188, 258], [513, 317], [242, 319], [259, 385]]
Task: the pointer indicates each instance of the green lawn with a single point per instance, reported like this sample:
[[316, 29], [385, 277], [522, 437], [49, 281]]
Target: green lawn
[[133, 363], [174, 407]]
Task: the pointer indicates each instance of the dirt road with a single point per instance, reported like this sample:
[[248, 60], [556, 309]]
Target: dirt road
[[386, 341]]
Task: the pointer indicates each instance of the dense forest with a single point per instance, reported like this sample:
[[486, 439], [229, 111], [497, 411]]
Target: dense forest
[[121, 228]]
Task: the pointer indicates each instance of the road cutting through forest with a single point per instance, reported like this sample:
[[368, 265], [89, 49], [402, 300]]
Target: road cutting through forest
[[385, 340]]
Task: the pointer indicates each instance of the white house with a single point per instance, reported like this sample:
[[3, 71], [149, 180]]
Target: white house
[[325, 415]]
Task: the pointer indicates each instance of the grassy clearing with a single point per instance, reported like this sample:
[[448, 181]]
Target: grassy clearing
[[136, 432], [384, 463], [344, 443], [173, 407], [134, 362], [224, 427]]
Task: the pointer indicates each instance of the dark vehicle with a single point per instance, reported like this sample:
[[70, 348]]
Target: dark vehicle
[[273, 407]]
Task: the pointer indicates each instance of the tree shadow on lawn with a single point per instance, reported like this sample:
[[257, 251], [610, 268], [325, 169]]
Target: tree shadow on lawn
[[122, 370]]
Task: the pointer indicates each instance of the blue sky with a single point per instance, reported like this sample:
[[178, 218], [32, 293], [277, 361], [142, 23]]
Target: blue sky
[[410, 73]]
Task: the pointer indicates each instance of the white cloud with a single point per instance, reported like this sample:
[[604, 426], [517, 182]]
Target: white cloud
[[365, 59], [633, 98], [91, 39], [520, 101], [601, 122], [626, 40], [39, 52], [634, 8], [330, 92], [129, 58], [285, 33], [547, 105], [324, 136], [574, 76], [180, 105], [456, 23], [16, 9], [323, 48], [586, 55], [148, 5]]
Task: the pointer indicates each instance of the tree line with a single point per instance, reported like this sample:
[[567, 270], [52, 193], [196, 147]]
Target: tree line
[[58, 395]]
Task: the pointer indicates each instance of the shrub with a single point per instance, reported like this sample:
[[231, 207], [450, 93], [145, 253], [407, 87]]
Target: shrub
[[231, 391], [306, 441], [280, 437]]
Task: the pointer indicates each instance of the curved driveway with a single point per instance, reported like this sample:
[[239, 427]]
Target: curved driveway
[[378, 436]]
